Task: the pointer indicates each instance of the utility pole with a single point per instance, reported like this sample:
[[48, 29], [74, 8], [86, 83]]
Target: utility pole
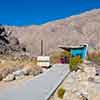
[[42, 52]]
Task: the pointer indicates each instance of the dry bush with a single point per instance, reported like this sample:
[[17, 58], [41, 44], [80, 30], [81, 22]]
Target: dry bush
[[94, 57], [8, 65], [33, 69], [55, 57]]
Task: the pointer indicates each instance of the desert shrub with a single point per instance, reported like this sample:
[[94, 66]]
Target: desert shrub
[[60, 93], [94, 57], [66, 53], [57, 55], [74, 61]]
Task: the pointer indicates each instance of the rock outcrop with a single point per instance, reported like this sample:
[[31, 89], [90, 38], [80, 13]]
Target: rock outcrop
[[9, 44]]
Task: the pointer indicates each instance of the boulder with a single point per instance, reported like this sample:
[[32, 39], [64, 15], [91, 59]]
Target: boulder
[[27, 71], [18, 73], [5, 72], [19, 77], [10, 77], [97, 79]]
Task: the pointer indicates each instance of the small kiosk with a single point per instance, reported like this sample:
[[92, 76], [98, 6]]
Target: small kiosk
[[76, 50]]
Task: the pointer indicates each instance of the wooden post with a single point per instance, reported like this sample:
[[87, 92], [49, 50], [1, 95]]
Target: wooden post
[[42, 48]]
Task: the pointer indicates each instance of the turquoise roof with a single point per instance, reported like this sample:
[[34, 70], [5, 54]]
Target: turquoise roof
[[77, 50]]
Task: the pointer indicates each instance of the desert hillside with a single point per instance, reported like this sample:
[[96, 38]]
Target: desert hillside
[[79, 29]]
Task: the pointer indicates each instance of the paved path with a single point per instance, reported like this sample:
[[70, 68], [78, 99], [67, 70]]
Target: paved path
[[39, 88]]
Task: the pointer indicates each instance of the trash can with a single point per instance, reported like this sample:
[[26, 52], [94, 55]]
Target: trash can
[[65, 60], [62, 60]]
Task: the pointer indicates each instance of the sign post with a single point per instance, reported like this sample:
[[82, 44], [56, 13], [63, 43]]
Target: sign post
[[43, 61]]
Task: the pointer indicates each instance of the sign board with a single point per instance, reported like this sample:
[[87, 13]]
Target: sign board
[[43, 61], [43, 58]]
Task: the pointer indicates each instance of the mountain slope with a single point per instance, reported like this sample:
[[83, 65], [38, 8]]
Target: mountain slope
[[79, 29]]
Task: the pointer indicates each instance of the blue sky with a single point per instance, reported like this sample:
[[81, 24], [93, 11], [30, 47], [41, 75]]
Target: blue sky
[[27, 12]]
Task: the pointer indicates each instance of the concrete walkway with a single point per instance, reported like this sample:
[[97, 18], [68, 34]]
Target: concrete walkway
[[39, 88]]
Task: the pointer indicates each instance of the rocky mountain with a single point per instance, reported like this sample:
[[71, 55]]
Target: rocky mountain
[[78, 29]]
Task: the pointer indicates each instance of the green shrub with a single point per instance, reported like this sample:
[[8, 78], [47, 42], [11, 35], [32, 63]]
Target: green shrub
[[66, 53], [74, 61], [61, 92]]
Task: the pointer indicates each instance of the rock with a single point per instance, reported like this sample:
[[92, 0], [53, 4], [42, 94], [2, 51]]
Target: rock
[[73, 74], [80, 75], [91, 79], [18, 73], [2, 61], [5, 72], [97, 71], [10, 77], [97, 79], [84, 96], [27, 71], [19, 77], [44, 69], [97, 74], [70, 96], [91, 71], [37, 71], [70, 80]]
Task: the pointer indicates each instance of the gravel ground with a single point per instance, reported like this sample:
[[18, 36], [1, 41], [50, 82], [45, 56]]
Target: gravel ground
[[80, 85]]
